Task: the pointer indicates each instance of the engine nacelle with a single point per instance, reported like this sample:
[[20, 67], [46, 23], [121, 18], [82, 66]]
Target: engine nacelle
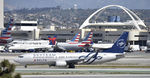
[[61, 63]]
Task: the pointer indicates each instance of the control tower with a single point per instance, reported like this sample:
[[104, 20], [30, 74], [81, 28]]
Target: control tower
[[1, 14]]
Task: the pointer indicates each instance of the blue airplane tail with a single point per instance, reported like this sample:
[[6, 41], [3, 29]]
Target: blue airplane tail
[[119, 45]]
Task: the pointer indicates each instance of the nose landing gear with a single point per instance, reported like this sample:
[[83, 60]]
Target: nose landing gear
[[25, 66]]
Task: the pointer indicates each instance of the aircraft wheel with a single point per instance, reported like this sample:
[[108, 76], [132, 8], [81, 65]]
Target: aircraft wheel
[[25, 66], [71, 65]]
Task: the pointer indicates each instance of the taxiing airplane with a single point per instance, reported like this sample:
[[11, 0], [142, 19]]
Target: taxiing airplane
[[70, 59], [74, 44], [5, 37], [32, 45]]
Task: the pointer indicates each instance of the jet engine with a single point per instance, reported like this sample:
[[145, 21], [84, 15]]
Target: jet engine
[[61, 63]]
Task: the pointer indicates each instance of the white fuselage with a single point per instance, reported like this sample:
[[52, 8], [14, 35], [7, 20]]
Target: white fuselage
[[102, 45], [29, 44], [62, 59], [69, 46]]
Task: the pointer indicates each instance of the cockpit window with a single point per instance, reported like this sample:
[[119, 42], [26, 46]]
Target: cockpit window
[[20, 56]]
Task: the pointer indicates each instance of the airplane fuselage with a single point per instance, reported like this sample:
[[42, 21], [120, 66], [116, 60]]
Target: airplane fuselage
[[27, 45], [71, 46], [62, 59]]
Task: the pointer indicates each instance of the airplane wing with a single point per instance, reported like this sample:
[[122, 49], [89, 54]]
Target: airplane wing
[[76, 61], [62, 48]]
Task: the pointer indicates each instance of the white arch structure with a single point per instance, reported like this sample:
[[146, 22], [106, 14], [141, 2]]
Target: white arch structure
[[136, 21]]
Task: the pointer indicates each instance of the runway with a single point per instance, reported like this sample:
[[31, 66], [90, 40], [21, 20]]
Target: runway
[[89, 76], [134, 58], [131, 59], [78, 71]]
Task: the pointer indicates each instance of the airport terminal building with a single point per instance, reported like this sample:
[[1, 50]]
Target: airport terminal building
[[106, 31]]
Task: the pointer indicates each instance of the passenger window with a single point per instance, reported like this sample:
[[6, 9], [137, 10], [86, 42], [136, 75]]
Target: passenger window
[[20, 56]]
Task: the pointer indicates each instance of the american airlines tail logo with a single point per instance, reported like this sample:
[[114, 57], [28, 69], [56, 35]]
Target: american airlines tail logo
[[121, 43], [77, 39], [90, 58]]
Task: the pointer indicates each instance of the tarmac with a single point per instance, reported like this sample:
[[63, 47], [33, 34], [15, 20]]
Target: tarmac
[[89, 76], [122, 69]]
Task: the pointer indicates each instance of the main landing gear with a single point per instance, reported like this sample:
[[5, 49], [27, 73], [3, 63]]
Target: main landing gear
[[25, 66], [71, 65]]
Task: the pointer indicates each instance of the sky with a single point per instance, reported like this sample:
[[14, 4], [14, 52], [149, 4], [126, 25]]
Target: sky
[[84, 4]]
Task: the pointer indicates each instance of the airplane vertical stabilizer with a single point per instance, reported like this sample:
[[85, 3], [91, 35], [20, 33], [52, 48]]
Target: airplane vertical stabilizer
[[88, 40], [76, 38], [52, 41], [119, 45]]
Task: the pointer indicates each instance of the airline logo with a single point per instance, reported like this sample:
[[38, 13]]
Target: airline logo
[[121, 43], [87, 41], [6, 33], [52, 40], [75, 39], [90, 58]]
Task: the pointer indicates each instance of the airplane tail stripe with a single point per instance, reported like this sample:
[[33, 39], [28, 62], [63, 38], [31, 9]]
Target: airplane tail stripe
[[76, 38], [6, 33]]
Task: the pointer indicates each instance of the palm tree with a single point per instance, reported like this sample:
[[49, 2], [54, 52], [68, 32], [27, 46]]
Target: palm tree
[[7, 69]]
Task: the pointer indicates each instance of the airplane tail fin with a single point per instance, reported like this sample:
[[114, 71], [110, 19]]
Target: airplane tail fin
[[7, 31], [119, 45], [88, 40], [52, 41], [76, 38]]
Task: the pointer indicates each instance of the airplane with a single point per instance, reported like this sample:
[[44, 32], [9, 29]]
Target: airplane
[[74, 44], [32, 45], [70, 59], [5, 37]]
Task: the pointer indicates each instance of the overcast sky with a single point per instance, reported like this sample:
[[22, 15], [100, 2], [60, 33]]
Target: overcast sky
[[131, 4]]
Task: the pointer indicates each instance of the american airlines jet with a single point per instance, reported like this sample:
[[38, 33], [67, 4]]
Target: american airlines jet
[[74, 44], [5, 37], [70, 59]]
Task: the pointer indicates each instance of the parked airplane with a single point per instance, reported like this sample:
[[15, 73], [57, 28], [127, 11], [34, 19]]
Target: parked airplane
[[74, 44], [32, 45], [102, 45], [5, 37], [70, 59]]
